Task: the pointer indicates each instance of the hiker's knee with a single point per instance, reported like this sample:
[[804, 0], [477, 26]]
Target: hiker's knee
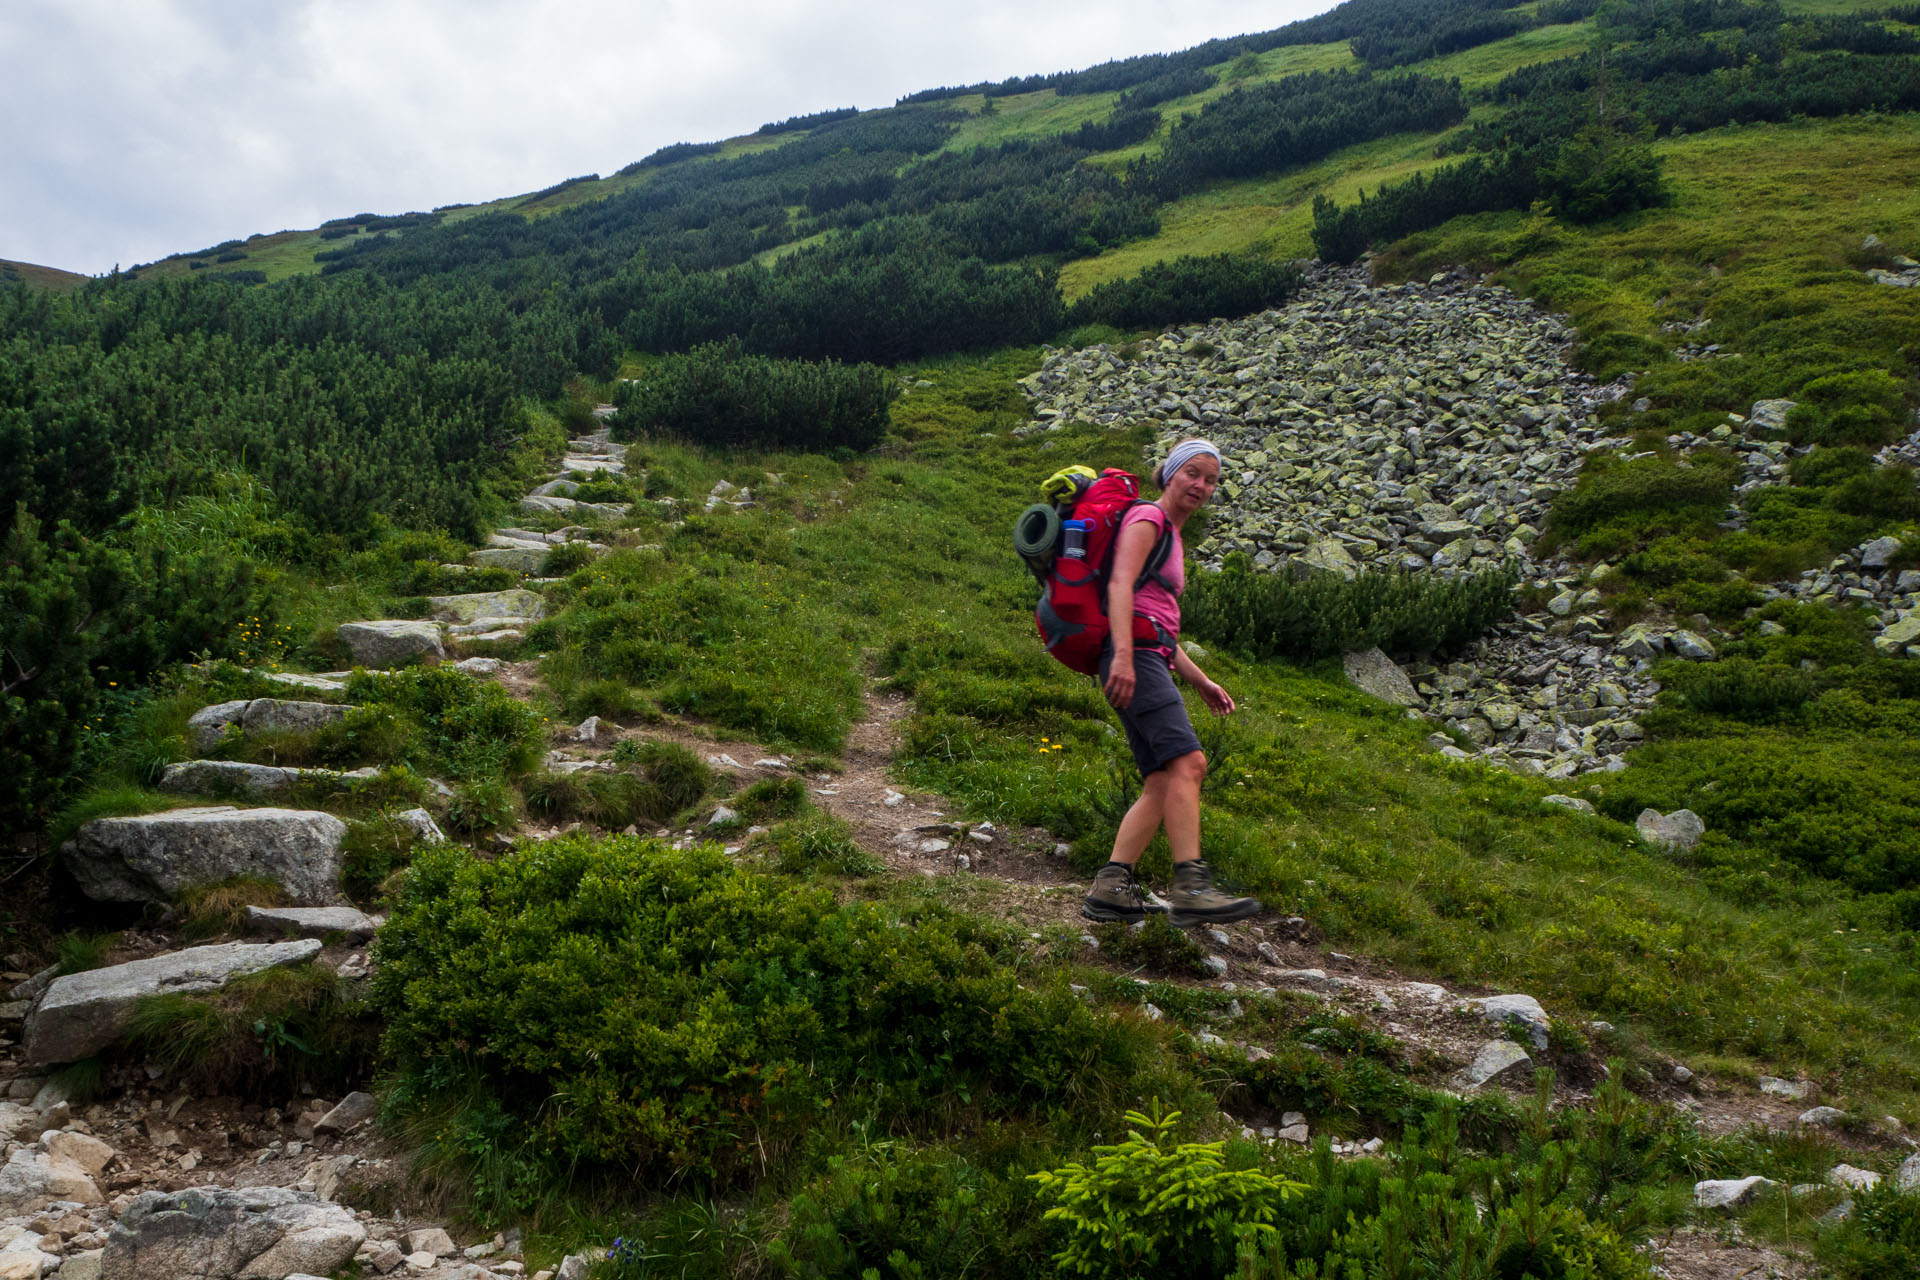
[[1188, 770]]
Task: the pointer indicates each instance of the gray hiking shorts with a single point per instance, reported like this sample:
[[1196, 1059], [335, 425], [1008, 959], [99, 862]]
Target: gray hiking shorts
[[1158, 729]]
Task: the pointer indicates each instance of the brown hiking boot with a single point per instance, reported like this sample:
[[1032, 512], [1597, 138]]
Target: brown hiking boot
[[1116, 895], [1196, 901]]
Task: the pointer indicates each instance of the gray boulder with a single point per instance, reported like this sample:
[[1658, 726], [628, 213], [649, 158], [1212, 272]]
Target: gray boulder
[[217, 777], [1328, 556], [1769, 415], [280, 715], [1875, 554], [152, 858], [207, 726], [422, 824], [32, 1179], [1373, 672], [521, 559], [1693, 646], [1906, 1179], [1501, 1010], [1569, 802], [312, 922], [1899, 634], [1679, 830], [1497, 1060], [1724, 1193], [209, 1233], [353, 1111], [387, 643], [83, 1013]]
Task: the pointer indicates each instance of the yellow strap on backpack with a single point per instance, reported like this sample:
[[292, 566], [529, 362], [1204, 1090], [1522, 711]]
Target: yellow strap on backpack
[[1065, 483]]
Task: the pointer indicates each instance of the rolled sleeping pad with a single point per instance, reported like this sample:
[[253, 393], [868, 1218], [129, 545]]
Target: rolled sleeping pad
[[1037, 533]]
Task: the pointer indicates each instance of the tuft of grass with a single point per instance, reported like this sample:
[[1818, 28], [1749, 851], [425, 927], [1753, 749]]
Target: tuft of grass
[[259, 1036], [819, 842], [207, 910], [78, 952]]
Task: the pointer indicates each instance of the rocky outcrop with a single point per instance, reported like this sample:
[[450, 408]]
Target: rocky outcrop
[[152, 858], [256, 1233], [83, 1013]]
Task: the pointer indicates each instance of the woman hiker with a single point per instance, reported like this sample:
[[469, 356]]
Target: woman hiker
[[1139, 684]]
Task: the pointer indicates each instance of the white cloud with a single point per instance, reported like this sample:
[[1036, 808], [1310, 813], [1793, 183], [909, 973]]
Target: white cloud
[[139, 128]]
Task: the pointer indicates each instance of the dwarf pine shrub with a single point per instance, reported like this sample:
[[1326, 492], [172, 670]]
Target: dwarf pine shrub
[[670, 1014], [1306, 618], [718, 394]]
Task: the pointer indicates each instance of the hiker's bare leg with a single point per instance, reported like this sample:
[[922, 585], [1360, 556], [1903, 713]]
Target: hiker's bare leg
[[1180, 805], [1142, 820], [1170, 795]]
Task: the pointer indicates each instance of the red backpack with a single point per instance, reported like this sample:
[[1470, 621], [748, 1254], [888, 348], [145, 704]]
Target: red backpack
[[1072, 614]]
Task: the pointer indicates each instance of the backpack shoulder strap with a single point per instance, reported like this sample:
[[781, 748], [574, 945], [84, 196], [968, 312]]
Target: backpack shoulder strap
[[1162, 550]]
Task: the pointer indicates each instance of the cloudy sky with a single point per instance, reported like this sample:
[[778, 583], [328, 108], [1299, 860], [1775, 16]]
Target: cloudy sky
[[137, 128]]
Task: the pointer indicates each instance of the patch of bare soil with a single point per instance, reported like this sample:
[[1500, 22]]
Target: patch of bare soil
[[1693, 1254]]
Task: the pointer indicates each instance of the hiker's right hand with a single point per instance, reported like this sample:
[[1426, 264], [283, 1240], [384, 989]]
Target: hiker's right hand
[[1120, 681]]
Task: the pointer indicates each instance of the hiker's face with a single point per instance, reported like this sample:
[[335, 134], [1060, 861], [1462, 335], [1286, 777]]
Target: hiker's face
[[1194, 483]]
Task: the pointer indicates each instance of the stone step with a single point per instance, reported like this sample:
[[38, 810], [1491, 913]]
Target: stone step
[[496, 637], [196, 777], [324, 681], [314, 922], [592, 462], [514, 543], [512, 603], [526, 558], [482, 626], [209, 725], [569, 505], [152, 858], [558, 487], [381, 643], [84, 1013]]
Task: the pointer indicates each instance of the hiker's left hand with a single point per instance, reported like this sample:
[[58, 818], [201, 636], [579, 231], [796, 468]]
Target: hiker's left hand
[[1217, 698]]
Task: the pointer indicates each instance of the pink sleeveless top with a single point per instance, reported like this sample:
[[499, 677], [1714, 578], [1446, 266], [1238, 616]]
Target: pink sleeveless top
[[1152, 600]]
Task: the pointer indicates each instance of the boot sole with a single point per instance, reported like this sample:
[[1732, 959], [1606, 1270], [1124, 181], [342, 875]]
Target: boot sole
[[1238, 910], [1104, 914]]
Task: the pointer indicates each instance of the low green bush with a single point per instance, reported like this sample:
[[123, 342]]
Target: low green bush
[[1154, 1206], [1880, 1238], [906, 1213], [1858, 408], [1187, 288], [1306, 618], [718, 395], [669, 1014], [1609, 489]]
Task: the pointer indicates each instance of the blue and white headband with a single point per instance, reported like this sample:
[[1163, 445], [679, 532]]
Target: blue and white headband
[[1183, 453]]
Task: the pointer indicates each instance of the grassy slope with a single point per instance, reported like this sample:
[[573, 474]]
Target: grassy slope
[[1329, 805], [40, 277]]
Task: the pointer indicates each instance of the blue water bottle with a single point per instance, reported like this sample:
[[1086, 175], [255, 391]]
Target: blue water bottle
[[1074, 536]]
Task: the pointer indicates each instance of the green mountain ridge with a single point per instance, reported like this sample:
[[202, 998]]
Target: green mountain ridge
[[821, 1045]]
